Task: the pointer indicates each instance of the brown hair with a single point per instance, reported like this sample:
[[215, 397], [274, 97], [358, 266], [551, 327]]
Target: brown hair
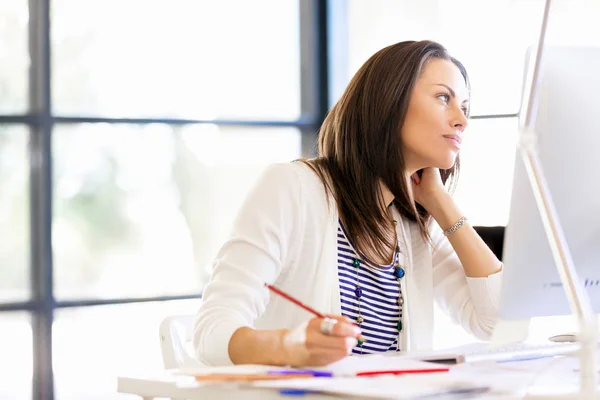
[[360, 144]]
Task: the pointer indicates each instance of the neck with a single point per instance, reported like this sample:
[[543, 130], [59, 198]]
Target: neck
[[412, 165], [387, 196]]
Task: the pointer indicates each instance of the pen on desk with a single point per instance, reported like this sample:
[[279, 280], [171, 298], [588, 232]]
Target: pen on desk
[[299, 303]]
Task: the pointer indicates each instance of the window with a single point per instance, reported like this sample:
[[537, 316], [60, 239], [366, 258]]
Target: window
[[94, 345], [490, 38], [485, 180], [156, 118], [176, 59], [14, 214], [141, 210], [13, 57], [15, 363]]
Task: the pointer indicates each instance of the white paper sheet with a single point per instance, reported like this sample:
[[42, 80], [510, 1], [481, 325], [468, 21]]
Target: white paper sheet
[[383, 387], [350, 366]]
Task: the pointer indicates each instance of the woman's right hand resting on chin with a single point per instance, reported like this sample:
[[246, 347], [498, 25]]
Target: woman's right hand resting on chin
[[305, 345]]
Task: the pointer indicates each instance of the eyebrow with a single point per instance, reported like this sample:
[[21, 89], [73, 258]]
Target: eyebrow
[[452, 92]]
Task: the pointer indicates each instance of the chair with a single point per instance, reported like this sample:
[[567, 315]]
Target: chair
[[175, 338], [493, 236]]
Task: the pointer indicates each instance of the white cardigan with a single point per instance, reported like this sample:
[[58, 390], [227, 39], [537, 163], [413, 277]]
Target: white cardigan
[[285, 233]]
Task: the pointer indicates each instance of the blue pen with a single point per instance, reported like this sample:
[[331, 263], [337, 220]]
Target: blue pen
[[296, 392], [316, 374]]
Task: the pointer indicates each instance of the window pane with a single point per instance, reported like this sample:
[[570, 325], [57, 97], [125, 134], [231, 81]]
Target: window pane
[[94, 345], [16, 360], [14, 213], [475, 32], [14, 57], [142, 210], [487, 162], [191, 59]]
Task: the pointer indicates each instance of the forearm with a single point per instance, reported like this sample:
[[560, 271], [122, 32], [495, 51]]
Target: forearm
[[251, 346], [475, 256]]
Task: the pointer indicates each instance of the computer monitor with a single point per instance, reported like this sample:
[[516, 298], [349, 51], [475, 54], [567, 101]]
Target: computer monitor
[[568, 128]]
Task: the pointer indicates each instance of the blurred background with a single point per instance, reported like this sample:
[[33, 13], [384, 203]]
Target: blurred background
[[131, 130]]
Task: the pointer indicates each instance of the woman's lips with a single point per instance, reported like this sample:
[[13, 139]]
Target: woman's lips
[[454, 140]]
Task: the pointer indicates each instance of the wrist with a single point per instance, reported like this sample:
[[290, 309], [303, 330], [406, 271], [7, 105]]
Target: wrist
[[281, 356], [444, 210], [253, 346]]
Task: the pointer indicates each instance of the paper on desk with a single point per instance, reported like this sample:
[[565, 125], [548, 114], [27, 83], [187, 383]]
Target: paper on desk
[[381, 387], [352, 365], [510, 377], [348, 366]]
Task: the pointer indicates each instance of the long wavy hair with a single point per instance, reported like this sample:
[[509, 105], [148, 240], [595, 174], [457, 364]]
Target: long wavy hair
[[360, 144]]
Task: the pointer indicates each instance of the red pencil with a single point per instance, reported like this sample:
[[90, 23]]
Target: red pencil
[[402, 371], [299, 303]]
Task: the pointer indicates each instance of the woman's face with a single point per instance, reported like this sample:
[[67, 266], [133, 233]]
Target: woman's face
[[435, 120]]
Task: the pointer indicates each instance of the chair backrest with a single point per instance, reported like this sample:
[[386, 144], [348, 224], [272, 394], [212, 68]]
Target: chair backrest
[[175, 336]]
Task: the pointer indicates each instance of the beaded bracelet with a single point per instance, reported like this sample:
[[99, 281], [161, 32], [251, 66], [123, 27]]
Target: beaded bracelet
[[455, 227]]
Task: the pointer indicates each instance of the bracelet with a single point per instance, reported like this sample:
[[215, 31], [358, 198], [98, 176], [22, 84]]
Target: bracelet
[[455, 227]]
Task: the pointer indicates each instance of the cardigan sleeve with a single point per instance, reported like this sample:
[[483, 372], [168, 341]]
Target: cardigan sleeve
[[254, 254], [471, 302]]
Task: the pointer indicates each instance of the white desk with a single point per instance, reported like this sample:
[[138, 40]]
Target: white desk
[[508, 381], [156, 387], [166, 386]]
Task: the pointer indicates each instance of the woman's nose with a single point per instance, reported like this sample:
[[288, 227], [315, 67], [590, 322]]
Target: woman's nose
[[460, 120]]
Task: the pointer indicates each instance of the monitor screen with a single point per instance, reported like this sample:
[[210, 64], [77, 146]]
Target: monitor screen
[[568, 127]]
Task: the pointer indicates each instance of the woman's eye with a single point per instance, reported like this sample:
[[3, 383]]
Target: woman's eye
[[445, 98], [465, 110]]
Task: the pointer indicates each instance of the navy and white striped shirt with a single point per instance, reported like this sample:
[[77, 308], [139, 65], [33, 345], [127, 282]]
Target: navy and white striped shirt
[[379, 300]]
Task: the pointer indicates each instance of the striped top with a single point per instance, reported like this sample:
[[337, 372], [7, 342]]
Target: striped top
[[379, 299]]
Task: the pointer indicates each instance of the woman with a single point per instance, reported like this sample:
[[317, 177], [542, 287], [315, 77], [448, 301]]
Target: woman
[[366, 233]]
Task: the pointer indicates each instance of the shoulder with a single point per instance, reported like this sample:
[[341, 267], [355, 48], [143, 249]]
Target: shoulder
[[294, 175], [292, 172]]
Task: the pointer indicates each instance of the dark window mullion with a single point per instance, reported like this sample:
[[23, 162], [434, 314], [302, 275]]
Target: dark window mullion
[[313, 70], [494, 116], [41, 198], [302, 122], [24, 306], [107, 302], [18, 119]]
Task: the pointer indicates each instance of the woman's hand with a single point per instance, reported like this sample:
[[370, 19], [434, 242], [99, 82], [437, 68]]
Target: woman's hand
[[307, 345], [429, 190]]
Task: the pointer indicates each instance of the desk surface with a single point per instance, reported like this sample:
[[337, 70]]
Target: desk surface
[[507, 381]]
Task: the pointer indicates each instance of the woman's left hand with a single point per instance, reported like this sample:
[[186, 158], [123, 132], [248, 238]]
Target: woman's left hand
[[428, 189]]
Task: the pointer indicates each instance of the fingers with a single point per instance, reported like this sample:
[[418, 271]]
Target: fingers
[[344, 327], [334, 344], [342, 340], [307, 345]]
